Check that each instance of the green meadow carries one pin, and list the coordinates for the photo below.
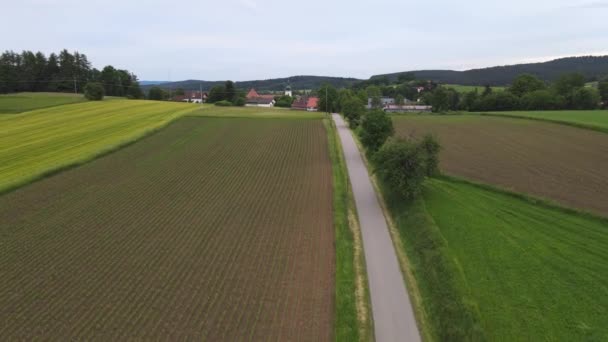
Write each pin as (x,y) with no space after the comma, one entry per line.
(592,119)
(22,102)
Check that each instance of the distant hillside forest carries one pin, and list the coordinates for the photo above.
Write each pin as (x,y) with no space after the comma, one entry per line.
(64,72)
(592,68)
(276,84)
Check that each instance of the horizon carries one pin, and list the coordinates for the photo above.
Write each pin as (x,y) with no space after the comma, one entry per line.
(262,39)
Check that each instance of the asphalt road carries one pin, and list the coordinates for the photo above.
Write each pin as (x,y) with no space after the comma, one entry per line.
(391,307)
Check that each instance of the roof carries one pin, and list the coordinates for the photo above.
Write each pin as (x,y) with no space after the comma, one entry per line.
(252,94)
(312,102)
(260,100)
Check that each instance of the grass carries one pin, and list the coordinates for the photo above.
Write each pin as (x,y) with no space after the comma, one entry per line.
(352,319)
(500,266)
(258,112)
(589,119)
(23,102)
(38,143)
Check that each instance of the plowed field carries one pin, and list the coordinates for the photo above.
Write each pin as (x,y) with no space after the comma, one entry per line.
(211,229)
(565,164)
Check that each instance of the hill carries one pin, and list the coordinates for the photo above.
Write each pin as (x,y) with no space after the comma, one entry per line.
(276,84)
(590,66)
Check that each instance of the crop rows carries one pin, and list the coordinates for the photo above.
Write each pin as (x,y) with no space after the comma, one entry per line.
(565,164)
(212,229)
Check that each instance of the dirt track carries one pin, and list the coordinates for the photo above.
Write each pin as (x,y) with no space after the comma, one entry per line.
(565,164)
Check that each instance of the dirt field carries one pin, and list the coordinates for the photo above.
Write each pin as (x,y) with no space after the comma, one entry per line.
(565,164)
(211,229)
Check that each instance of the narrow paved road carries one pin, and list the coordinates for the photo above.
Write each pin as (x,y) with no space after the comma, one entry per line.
(392,311)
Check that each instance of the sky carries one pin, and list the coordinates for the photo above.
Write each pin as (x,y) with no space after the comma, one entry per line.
(261,39)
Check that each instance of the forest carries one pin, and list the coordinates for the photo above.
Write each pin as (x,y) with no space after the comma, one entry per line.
(63,72)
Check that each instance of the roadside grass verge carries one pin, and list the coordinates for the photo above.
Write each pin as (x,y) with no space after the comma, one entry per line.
(39,143)
(596,120)
(353,321)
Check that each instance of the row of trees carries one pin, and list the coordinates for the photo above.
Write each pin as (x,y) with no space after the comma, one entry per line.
(527,92)
(64,72)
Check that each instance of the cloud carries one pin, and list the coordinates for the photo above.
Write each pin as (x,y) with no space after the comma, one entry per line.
(591,5)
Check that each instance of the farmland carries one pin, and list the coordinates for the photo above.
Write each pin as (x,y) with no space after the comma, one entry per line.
(593,119)
(565,164)
(210,229)
(497,266)
(23,102)
(254,112)
(36,143)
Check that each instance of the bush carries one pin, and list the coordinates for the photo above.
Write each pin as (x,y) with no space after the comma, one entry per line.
(376,127)
(155,93)
(223,103)
(498,101)
(585,98)
(542,100)
(240,101)
(94,91)
(401,164)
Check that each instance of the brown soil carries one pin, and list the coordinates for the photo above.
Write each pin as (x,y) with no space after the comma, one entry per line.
(211,229)
(565,164)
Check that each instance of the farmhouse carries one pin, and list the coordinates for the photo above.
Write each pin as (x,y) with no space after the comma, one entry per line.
(384,101)
(408,108)
(256,100)
(306,103)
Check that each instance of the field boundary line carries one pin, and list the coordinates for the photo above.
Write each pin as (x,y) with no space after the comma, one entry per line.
(87,159)
(559,122)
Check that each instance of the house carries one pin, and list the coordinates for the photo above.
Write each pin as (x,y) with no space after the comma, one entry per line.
(300,103)
(408,108)
(254,99)
(192,96)
(312,105)
(384,101)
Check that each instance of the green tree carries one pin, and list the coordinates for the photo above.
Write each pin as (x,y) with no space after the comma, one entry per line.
(155,93)
(431,147)
(284,101)
(179,92)
(376,127)
(603,91)
(401,164)
(498,101)
(585,98)
(542,100)
(135,91)
(568,83)
(216,94)
(526,83)
(487,90)
(328,98)
(469,100)
(406,77)
(375,94)
(353,110)
(230,91)
(399,100)
(362,95)
(94,91)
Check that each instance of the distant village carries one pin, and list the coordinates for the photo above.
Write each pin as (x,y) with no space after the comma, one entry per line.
(304,102)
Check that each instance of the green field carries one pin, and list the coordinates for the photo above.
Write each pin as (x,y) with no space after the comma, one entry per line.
(36,143)
(466,89)
(593,119)
(496,266)
(22,102)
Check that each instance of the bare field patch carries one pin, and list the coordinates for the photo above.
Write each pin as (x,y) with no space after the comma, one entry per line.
(210,229)
(565,164)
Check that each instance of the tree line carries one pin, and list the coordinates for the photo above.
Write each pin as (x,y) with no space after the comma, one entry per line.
(527,92)
(63,72)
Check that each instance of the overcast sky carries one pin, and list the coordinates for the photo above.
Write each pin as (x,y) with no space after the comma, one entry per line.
(259,39)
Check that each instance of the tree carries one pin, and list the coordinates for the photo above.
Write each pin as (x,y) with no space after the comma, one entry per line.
(498,101)
(585,98)
(229,91)
(603,91)
(216,94)
(469,100)
(94,91)
(431,147)
(155,93)
(399,100)
(328,98)
(406,77)
(401,164)
(526,83)
(135,92)
(487,90)
(180,92)
(353,109)
(542,100)
(568,83)
(284,101)
(375,94)
(376,127)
